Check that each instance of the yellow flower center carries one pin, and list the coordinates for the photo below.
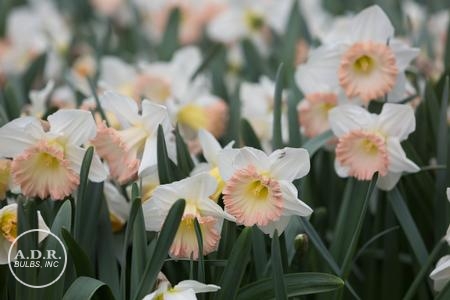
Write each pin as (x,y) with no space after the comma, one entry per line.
(258,190)
(193,116)
(369,147)
(253,20)
(8,225)
(364,64)
(220,183)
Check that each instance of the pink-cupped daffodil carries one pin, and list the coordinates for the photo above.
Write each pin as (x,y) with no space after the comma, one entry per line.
(132,149)
(363,59)
(184,290)
(196,190)
(259,189)
(47,156)
(369,143)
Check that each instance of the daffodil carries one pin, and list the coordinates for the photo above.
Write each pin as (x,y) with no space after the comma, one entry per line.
(119,207)
(363,59)
(184,290)
(259,189)
(8,231)
(47,162)
(196,190)
(133,149)
(441,273)
(369,143)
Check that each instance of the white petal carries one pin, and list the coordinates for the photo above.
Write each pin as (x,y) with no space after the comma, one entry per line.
(198,287)
(149,161)
(211,208)
(97,171)
(398,92)
(348,117)
(196,188)
(398,162)
(153,115)
(117,203)
(289,163)
(448,194)
(18,135)
(341,171)
(397,120)
(319,73)
(279,225)
(78,126)
(403,54)
(441,274)
(227,27)
(123,107)
(210,146)
(187,294)
(251,156)
(156,208)
(387,183)
(371,24)
(225,160)
(293,205)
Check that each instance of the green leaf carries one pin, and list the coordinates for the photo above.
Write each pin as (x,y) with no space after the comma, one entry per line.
(445,293)
(277,269)
(166,236)
(27,219)
(347,264)
(408,225)
(35,70)
(184,159)
(248,135)
(84,288)
(170,41)
(235,269)
(99,107)
(165,171)
(83,198)
(254,64)
(323,251)
(106,261)
(297,284)
(81,261)
(234,120)
(138,254)
(13,98)
(259,252)
(62,220)
(441,211)
(277,137)
(134,210)
(424,270)
(447,50)
(213,52)
(317,142)
(201,259)
(294,96)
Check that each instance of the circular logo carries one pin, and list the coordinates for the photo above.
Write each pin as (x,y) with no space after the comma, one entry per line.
(36,258)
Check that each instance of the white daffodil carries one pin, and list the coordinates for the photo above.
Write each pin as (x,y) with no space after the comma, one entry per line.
(369,143)
(133,149)
(248,19)
(441,274)
(363,59)
(39,99)
(257,107)
(184,290)
(117,75)
(8,231)
(196,190)
(190,104)
(211,149)
(47,162)
(259,189)
(119,207)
